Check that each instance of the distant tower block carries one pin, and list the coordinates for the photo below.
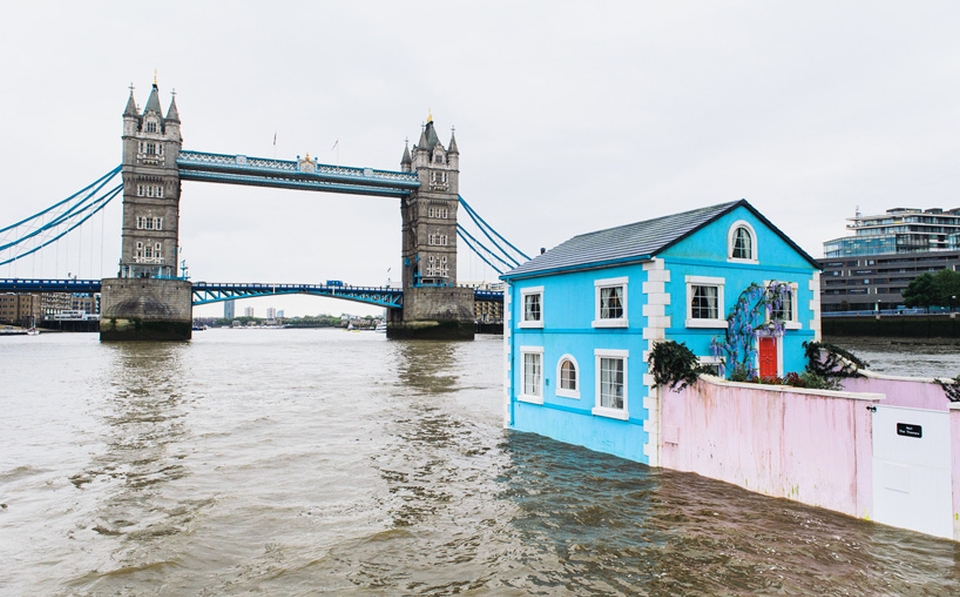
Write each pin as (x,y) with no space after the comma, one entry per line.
(146,301)
(433,305)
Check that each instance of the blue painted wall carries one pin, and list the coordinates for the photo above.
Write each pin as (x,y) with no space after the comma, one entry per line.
(704,254)
(568,313)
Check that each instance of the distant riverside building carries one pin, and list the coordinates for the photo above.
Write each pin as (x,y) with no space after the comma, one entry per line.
(54,303)
(248,311)
(487,311)
(229,309)
(86,302)
(870,269)
(19,308)
(271,313)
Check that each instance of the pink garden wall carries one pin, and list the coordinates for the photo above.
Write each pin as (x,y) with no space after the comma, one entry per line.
(910,392)
(775,440)
(812,446)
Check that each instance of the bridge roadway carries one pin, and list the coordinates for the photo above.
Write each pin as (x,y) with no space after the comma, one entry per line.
(208,292)
(305,174)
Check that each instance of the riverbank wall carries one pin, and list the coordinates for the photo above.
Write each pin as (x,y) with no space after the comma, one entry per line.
(885,449)
(893,325)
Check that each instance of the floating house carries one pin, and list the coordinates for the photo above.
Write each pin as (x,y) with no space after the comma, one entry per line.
(581,319)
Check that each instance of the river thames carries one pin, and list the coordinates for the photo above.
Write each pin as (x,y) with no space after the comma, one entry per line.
(326,462)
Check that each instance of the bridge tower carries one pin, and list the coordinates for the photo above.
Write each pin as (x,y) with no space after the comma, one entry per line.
(147,301)
(433,305)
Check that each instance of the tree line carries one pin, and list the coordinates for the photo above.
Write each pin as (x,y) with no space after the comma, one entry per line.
(940,289)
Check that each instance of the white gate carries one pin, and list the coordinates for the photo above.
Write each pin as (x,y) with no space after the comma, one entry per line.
(911,469)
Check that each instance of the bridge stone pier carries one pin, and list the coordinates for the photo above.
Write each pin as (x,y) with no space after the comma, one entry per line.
(148,301)
(433,305)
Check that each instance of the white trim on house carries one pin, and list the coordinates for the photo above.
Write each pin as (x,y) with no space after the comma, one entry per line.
(610,322)
(712,361)
(530,323)
(793,322)
(654,309)
(814,285)
(567,393)
(701,322)
(507,355)
(753,242)
(522,395)
(605,411)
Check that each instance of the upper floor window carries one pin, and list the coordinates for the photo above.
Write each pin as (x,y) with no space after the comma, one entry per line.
(531,372)
(532,305)
(783,303)
(742,242)
(705,302)
(611,303)
(151,126)
(567,373)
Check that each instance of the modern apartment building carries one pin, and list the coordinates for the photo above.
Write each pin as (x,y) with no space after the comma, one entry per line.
(868,270)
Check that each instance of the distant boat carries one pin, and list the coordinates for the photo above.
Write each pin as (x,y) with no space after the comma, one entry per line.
(381,327)
(33,332)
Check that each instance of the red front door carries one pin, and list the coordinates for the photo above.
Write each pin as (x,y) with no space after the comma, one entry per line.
(768,357)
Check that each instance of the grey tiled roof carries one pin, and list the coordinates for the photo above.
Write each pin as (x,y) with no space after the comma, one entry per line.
(638,240)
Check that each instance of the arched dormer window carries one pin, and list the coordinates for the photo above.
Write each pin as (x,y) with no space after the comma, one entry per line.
(742,243)
(568,377)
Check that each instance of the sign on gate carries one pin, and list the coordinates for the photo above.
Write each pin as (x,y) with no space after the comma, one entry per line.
(911,469)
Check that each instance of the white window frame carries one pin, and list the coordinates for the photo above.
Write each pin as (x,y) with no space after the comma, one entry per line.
(522,396)
(711,361)
(567,392)
(524,293)
(691,282)
(610,322)
(793,321)
(605,411)
(731,240)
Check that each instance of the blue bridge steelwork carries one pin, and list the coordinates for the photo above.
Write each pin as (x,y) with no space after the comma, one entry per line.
(304,174)
(205,293)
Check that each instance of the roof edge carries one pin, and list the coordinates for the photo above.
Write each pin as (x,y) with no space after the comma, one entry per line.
(579,267)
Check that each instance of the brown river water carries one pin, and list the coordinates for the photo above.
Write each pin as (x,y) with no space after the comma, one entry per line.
(326,462)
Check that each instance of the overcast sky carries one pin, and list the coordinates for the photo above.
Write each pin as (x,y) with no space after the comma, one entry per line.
(569,116)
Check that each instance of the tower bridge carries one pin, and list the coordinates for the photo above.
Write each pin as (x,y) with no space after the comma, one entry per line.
(147,300)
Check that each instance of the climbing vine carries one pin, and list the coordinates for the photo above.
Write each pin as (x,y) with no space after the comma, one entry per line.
(758,308)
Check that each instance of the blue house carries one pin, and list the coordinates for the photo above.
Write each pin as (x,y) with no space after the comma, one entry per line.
(583,316)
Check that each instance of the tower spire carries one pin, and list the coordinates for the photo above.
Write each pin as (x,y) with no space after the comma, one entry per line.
(131,109)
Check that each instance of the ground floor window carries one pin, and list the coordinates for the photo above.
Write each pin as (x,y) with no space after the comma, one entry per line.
(569,385)
(611,390)
(531,374)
